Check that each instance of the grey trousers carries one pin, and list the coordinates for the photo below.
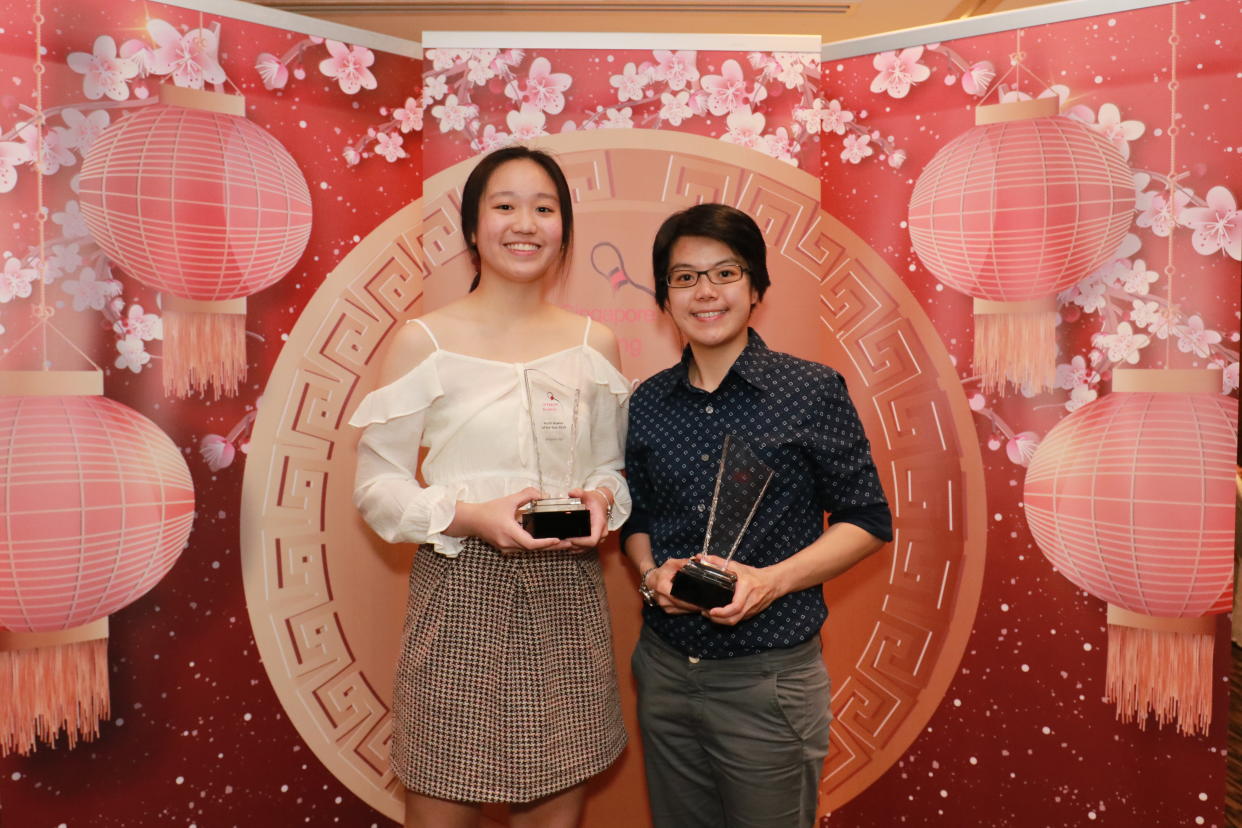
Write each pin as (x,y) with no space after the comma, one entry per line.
(735,742)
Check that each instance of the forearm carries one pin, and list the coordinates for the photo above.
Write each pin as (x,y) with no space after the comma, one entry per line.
(637,548)
(838,549)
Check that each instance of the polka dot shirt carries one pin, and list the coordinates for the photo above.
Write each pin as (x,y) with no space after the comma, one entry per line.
(797,417)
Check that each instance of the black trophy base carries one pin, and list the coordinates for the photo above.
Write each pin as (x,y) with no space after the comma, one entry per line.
(704,585)
(562,517)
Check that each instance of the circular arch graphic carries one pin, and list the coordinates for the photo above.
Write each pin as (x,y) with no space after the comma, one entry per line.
(326,597)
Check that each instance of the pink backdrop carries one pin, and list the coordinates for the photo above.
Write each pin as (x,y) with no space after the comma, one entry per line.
(1021,737)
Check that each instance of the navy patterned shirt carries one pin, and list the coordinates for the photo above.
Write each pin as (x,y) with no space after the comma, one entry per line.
(796,416)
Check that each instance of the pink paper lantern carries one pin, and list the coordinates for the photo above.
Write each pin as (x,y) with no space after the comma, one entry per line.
(194,200)
(96,504)
(1132,499)
(1016,209)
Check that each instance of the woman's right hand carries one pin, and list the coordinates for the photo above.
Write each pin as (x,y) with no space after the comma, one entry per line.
(496,522)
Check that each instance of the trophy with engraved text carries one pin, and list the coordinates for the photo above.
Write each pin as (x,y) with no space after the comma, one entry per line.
(554,426)
(741,481)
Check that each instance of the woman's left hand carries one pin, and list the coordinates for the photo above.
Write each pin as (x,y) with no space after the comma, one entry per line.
(597,501)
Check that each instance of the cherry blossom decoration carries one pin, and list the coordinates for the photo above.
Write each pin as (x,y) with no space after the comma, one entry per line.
(190,58)
(899,71)
(103,71)
(349,66)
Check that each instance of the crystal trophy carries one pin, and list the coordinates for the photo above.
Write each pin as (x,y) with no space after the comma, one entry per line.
(554,427)
(741,481)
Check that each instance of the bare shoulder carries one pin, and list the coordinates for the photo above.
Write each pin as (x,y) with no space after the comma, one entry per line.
(602,339)
(409,347)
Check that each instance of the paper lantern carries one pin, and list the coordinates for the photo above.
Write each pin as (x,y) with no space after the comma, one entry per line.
(194,200)
(1131,498)
(96,504)
(1018,208)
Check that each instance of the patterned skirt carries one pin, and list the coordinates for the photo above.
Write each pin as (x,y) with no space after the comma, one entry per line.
(506,689)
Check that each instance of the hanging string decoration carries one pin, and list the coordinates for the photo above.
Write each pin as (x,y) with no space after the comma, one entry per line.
(1016,209)
(193,199)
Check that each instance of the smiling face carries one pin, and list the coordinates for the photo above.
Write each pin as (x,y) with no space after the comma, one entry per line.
(708,315)
(519,231)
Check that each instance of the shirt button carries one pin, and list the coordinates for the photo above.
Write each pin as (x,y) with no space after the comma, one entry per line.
(701,507)
(694,659)
(710,410)
(706,457)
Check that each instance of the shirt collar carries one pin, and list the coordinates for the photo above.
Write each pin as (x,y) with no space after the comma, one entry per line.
(750,365)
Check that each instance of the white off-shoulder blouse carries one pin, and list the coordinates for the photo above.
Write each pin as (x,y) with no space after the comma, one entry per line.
(473,417)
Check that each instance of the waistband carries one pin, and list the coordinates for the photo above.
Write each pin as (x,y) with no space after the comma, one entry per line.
(776,659)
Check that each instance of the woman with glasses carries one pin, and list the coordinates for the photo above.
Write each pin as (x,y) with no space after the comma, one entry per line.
(505,688)
(734,700)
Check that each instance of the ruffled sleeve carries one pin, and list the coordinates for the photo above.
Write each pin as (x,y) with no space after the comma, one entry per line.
(609,418)
(386,492)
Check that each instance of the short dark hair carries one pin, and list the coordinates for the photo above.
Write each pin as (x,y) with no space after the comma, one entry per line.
(476,184)
(727,225)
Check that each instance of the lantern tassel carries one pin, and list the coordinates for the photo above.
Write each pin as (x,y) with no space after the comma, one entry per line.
(50,689)
(204,347)
(1016,342)
(1162,672)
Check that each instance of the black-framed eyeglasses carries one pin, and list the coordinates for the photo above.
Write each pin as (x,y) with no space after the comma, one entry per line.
(684,277)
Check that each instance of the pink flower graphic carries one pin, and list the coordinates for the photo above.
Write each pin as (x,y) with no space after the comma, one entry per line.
(630,83)
(544,89)
(71,222)
(217,452)
(780,146)
(55,154)
(348,65)
(12,154)
(452,116)
(1159,213)
(145,326)
(856,148)
(1194,337)
(351,156)
(1123,346)
(526,123)
(821,117)
(790,68)
(271,70)
(190,58)
(618,118)
(896,158)
(132,354)
(899,71)
(675,108)
(410,116)
(745,127)
(677,68)
(1217,226)
(15,280)
(727,91)
(88,292)
(105,73)
(978,77)
(1117,131)
(83,129)
(1135,278)
(1021,447)
(388,144)
(493,139)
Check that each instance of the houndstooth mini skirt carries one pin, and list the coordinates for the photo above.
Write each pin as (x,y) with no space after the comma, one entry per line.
(506,689)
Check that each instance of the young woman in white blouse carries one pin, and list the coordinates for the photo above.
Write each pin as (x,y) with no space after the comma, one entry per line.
(505,688)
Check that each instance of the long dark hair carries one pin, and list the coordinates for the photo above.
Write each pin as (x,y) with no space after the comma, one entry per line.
(476,184)
(727,225)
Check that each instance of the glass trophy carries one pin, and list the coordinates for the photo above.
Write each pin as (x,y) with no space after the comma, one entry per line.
(554,428)
(741,481)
